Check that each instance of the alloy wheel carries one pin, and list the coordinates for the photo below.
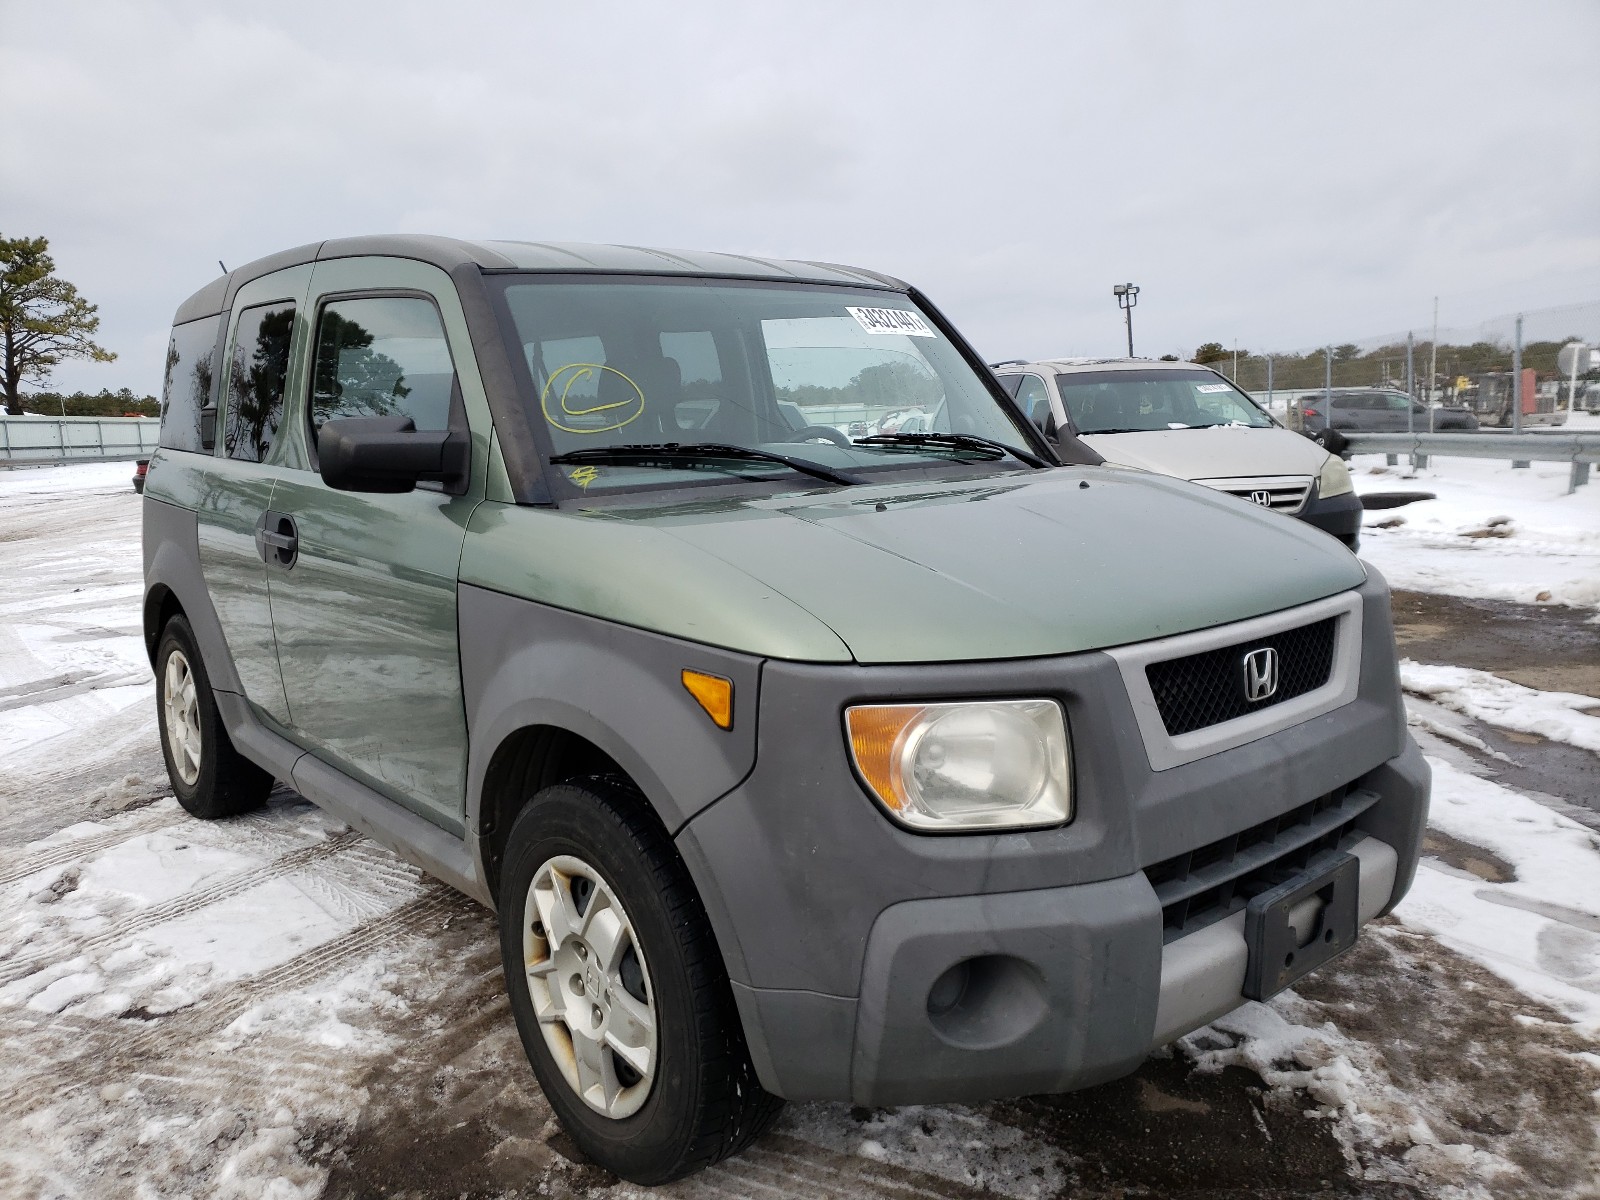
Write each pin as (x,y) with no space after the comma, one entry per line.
(590,986)
(183,717)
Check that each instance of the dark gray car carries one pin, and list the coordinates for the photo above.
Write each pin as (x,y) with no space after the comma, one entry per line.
(1371,410)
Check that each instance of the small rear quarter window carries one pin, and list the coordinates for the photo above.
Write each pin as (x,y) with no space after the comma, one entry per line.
(190,387)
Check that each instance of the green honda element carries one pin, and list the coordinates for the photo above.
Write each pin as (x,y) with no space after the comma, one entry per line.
(817,729)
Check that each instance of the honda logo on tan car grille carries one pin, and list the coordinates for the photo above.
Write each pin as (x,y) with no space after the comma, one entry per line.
(1261,497)
(1260,674)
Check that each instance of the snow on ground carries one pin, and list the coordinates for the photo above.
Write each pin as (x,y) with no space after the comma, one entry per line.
(1560,716)
(1493,531)
(258,1007)
(1539,929)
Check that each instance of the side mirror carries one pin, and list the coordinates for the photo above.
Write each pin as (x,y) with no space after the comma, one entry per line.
(389,454)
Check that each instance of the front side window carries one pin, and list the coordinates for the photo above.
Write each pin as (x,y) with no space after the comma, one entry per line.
(382,356)
(1141,401)
(1034,400)
(186,397)
(800,370)
(256,379)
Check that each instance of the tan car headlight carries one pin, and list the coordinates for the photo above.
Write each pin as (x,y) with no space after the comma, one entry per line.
(991,764)
(1334,479)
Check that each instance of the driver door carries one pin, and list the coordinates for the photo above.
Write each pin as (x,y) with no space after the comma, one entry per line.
(365,614)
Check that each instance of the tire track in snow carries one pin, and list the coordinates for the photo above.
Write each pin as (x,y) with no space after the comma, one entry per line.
(65,852)
(92,1051)
(179,906)
(794,1169)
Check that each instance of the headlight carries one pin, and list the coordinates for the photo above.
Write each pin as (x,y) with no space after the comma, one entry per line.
(1334,479)
(995,764)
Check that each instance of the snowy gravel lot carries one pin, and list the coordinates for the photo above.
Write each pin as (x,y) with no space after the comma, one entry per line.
(275,1007)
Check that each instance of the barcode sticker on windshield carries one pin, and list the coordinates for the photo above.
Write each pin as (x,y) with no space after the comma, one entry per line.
(1212,387)
(892,320)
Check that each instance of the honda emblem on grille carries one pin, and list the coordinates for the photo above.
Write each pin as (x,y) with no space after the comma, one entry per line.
(1260,674)
(1261,497)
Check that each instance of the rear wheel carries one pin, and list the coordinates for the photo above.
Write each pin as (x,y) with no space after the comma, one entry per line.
(618,989)
(209,777)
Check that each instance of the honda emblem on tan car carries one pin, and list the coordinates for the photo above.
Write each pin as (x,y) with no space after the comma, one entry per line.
(1260,674)
(1262,497)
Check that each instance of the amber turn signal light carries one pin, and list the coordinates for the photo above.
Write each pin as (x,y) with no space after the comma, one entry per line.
(713,693)
(874,738)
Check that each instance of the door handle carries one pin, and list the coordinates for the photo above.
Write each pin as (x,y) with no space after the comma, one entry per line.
(277,539)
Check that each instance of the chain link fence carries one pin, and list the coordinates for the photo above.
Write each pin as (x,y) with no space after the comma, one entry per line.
(1457,366)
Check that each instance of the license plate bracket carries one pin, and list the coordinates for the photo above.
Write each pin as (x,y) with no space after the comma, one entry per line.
(1277,958)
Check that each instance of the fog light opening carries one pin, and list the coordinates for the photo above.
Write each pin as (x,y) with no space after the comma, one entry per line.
(948,989)
(982,1003)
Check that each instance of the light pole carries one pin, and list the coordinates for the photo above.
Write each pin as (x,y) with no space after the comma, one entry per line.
(1127,296)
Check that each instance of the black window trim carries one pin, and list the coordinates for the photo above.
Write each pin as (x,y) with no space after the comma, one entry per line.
(458,403)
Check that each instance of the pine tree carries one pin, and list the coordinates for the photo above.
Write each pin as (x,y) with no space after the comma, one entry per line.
(43,320)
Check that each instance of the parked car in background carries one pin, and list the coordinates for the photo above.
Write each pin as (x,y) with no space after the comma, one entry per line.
(140,469)
(1187,420)
(1324,416)
(911,769)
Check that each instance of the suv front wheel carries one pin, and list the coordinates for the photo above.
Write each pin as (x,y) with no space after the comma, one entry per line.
(618,989)
(209,777)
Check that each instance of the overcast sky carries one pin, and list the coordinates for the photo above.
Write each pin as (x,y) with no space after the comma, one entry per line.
(1281,174)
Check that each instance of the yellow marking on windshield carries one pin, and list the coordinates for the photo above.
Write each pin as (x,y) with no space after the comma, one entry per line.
(584,476)
(576,373)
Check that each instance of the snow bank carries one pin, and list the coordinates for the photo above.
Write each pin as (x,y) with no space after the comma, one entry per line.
(1559,716)
(1493,531)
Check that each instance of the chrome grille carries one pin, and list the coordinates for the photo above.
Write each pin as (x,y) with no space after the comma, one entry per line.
(1284,493)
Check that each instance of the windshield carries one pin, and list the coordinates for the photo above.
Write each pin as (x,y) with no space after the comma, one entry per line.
(1134,401)
(794,370)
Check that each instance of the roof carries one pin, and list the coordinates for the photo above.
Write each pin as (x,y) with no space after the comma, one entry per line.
(1103,364)
(452,253)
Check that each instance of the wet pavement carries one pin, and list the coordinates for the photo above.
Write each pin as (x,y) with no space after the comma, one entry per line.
(1550,648)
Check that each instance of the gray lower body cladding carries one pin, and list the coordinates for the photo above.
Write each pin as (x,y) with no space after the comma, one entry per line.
(840,929)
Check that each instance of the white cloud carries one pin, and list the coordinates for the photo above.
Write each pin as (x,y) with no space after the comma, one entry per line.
(1284,175)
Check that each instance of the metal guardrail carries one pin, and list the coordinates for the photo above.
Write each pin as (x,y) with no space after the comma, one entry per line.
(39,440)
(1582,450)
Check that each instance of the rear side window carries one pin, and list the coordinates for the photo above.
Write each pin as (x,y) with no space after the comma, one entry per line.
(382,356)
(187,392)
(256,379)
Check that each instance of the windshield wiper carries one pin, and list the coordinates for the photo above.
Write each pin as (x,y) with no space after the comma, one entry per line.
(688,455)
(952,441)
(1129,429)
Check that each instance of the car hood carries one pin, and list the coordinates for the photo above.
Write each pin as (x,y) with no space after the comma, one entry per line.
(1011,566)
(1221,452)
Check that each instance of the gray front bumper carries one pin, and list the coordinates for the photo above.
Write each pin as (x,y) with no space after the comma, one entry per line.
(836,926)
(1072,987)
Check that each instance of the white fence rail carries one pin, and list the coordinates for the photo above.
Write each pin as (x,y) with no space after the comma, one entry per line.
(1582,450)
(32,439)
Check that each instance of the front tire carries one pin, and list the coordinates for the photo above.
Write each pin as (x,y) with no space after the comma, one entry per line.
(618,988)
(209,777)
